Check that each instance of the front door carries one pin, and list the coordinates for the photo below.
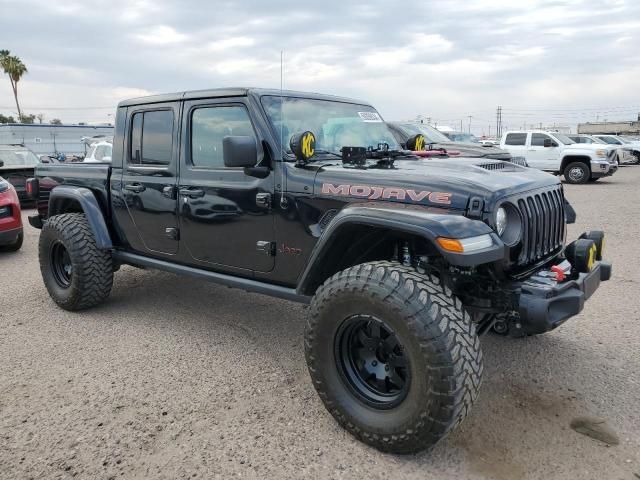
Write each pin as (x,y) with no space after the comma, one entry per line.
(544,158)
(149,177)
(225,219)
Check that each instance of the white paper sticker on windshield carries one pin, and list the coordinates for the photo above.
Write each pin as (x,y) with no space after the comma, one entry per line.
(370,116)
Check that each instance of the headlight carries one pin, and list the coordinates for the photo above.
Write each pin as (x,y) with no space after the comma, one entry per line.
(601,153)
(501,221)
(508,224)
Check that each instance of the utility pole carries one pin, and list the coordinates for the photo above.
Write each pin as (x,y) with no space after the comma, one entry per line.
(499,122)
(461,126)
(470,116)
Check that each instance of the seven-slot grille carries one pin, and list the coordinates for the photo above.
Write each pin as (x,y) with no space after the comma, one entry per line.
(543,225)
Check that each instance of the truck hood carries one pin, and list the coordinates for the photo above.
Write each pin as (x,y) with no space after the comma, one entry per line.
(445,183)
(475,150)
(589,147)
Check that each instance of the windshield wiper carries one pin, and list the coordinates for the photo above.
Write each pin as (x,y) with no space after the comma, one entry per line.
(327,152)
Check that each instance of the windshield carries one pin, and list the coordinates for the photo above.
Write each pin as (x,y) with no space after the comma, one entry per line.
(463,137)
(17,157)
(563,139)
(334,124)
(611,140)
(430,134)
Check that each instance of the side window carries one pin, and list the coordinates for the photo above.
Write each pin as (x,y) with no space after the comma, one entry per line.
(516,139)
(209,125)
(537,139)
(151,138)
(136,137)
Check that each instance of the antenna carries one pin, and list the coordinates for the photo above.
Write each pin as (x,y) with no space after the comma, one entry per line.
(283,201)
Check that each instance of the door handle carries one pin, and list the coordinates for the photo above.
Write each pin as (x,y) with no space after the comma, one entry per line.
(169,191)
(191,192)
(135,187)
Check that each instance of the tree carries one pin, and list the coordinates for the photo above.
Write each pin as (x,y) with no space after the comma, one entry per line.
(28,119)
(13,67)
(40,118)
(8,119)
(55,121)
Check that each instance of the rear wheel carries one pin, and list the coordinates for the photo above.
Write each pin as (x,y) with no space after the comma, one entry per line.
(577,173)
(76,272)
(393,355)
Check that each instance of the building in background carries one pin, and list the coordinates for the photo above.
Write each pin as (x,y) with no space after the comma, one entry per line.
(52,139)
(611,128)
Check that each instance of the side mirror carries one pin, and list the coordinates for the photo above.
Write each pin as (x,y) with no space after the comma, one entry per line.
(416,143)
(1,163)
(549,143)
(239,151)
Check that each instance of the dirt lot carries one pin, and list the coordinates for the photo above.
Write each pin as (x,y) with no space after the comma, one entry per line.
(175,378)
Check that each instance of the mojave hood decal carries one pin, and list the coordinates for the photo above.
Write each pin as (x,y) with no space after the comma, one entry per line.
(373,192)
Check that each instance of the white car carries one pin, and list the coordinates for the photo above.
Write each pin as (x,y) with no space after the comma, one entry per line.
(99,153)
(623,155)
(558,154)
(631,147)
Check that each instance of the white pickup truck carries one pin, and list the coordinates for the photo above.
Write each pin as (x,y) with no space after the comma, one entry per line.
(557,153)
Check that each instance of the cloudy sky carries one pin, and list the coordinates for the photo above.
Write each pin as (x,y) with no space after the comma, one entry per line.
(543,61)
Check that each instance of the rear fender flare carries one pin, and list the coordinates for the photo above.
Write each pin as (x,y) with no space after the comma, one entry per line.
(90,207)
(420,222)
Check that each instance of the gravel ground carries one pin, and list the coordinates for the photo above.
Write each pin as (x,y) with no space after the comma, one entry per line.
(175,378)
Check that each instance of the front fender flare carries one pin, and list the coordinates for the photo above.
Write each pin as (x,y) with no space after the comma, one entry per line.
(427,223)
(90,206)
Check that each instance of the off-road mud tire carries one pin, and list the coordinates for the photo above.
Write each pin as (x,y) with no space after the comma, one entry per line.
(92,270)
(438,338)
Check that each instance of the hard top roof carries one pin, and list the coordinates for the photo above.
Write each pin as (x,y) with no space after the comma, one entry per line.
(232,92)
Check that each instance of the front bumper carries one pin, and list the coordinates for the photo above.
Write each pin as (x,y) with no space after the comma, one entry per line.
(544,303)
(603,169)
(9,237)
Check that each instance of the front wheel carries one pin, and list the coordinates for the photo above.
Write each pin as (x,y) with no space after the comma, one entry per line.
(393,355)
(76,272)
(577,173)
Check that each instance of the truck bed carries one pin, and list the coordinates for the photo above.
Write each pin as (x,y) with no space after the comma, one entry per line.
(95,176)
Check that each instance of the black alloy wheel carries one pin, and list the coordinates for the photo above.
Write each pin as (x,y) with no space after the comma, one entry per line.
(372,361)
(61,266)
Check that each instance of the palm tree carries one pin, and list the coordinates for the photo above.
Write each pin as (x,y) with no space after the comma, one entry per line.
(13,67)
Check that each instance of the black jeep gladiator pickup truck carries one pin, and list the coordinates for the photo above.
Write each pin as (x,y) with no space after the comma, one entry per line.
(307,197)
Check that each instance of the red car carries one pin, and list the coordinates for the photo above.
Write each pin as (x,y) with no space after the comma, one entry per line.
(10,220)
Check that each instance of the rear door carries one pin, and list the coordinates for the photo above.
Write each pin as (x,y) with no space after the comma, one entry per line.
(515,144)
(225,219)
(149,177)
